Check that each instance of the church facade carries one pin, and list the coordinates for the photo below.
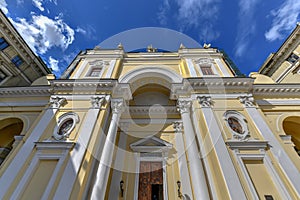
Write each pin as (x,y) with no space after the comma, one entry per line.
(155,125)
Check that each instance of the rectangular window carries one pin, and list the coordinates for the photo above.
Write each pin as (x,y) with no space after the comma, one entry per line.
(2,76)
(3,44)
(17,60)
(207,70)
(95,72)
(292,58)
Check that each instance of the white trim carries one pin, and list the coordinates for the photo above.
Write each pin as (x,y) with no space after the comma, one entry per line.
(272,172)
(61,120)
(7,73)
(182,164)
(24,152)
(234,187)
(191,67)
(287,70)
(114,190)
(205,62)
(147,121)
(68,178)
(283,158)
(156,71)
(40,155)
(270,102)
(80,70)
(110,69)
(220,96)
(242,121)
(137,169)
(204,158)
(23,103)
(222,68)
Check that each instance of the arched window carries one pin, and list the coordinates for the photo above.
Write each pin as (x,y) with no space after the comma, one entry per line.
(9,128)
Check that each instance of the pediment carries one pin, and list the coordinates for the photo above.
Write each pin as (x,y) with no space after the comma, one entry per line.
(150,144)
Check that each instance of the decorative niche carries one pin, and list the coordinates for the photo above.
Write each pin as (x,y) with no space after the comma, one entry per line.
(66,124)
(237,124)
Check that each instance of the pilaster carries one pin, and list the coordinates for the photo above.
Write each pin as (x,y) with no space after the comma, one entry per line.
(195,164)
(234,187)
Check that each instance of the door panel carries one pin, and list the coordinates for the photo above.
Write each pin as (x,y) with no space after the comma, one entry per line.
(151,174)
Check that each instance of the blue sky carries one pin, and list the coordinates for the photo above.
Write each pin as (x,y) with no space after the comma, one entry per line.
(248,30)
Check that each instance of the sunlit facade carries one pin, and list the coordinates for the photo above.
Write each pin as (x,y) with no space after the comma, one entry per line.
(154,125)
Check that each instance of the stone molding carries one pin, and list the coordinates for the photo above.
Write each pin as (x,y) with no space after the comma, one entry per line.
(184,106)
(247,101)
(56,101)
(177,127)
(204,101)
(97,101)
(143,110)
(117,106)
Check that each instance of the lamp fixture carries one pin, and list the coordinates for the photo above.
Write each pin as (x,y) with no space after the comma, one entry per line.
(121,187)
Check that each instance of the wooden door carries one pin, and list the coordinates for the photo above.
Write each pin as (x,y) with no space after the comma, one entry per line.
(151,174)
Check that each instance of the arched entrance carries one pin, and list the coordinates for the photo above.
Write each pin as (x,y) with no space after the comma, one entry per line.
(8,129)
(291,126)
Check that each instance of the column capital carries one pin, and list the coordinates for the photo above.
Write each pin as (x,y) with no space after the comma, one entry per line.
(247,101)
(204,101)
(184,105)
(56,101)
(97,101)
(117,105)
(177,127)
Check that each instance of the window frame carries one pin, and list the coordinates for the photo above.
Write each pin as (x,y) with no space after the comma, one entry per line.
(17,61)
(3,44)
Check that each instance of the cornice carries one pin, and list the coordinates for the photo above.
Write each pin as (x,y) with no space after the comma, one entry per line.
(82,86)
(37,91)
(145,110)
(278,90)
(247,145)
(212,85)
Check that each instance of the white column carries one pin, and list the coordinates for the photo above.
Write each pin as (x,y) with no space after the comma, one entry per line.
(99,188)
(114,191)
(183,168)
(21,157)
(70,174)
(196,169)
(284,160)
(231,178)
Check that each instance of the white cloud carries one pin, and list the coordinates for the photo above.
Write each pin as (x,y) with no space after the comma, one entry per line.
(38,4)
(88,31)
(42,33)
(194,12)
(20,2)
(199,14)
(3,6)
(81,30)
(285,19)
(162,14)
(53,64)
(246,26)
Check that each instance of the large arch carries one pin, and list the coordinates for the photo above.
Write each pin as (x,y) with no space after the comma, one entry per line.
(157,74)
(151,71)
(291,126)
(9,128)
